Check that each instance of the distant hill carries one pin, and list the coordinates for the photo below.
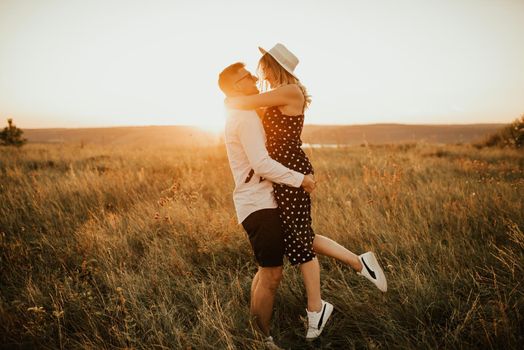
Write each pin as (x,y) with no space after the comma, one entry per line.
(312,134)
(139,135)
(396,133)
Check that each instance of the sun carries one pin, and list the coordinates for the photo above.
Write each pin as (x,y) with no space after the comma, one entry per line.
(208,116)
(215,128)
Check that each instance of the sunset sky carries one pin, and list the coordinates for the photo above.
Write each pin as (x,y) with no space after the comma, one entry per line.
(71,63)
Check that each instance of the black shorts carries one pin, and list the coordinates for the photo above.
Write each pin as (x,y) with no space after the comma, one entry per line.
(264,229)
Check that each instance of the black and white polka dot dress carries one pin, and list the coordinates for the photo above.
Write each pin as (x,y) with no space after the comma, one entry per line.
(284,146)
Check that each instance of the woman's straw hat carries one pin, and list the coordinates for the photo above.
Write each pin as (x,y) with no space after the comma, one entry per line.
(283,56)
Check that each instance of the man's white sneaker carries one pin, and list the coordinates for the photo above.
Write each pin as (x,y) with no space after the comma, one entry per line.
(317,320)
(372,271)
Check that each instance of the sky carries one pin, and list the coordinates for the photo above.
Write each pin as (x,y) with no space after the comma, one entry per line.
(71,63)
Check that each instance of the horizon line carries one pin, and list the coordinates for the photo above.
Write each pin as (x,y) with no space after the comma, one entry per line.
(306,124)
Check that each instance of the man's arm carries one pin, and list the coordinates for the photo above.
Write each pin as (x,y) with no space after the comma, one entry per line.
(251,135)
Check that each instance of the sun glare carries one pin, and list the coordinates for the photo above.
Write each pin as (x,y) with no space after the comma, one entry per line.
(217,129)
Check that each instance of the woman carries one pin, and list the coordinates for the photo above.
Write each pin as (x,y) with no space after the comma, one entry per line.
(283,121)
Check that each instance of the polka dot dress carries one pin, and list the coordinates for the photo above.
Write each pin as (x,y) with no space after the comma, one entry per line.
(284,146)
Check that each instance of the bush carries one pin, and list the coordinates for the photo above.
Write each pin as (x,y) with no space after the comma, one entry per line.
(12,136)
(510,136)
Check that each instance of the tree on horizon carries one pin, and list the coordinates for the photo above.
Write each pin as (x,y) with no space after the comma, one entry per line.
(11,135)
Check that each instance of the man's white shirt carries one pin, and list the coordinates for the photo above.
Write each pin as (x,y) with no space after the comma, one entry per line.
(246,149)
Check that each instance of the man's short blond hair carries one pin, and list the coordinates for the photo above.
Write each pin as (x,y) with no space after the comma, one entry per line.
(225,81)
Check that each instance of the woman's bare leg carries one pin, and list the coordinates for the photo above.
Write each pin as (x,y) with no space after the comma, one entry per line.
(328,247)
(311,275)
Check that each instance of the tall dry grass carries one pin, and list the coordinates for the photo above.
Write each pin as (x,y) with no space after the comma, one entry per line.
(139,248)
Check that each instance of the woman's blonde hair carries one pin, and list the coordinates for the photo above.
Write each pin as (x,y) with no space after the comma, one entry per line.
(280,77)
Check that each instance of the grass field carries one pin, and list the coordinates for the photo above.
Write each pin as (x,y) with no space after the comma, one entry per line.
(105,248)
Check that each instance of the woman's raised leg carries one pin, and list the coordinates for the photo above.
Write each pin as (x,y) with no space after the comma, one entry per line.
(328,247)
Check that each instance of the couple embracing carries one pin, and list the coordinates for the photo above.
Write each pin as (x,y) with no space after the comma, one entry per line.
(273,181)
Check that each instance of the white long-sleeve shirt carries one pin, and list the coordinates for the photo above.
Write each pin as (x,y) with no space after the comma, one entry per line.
(246,150)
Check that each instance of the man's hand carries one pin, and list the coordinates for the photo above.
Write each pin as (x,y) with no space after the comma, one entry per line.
(309,183)
(260,112)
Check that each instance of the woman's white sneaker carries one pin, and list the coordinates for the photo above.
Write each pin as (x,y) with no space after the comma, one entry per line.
(372,271)
(317,320)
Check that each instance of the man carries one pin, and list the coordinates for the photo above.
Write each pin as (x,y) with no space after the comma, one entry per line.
(254,171)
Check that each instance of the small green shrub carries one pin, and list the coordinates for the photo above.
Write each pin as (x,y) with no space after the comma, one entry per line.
(11,135)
